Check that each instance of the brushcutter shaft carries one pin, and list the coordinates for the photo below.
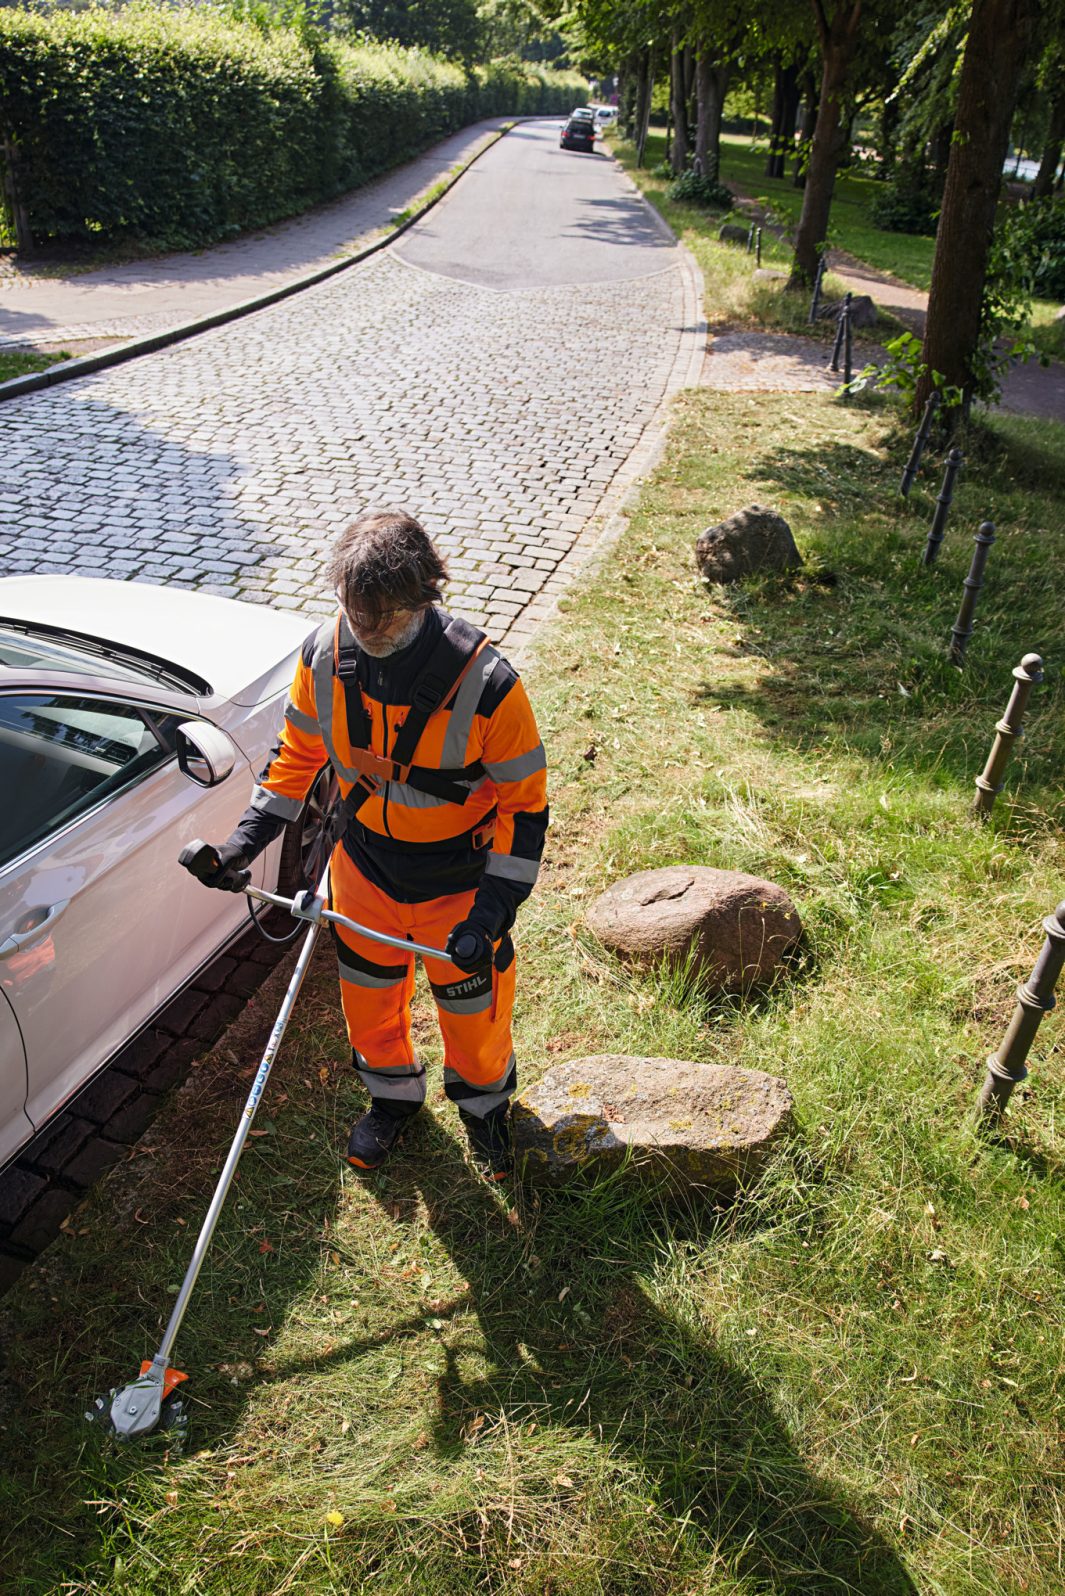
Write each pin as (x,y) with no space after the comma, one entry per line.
(305,908)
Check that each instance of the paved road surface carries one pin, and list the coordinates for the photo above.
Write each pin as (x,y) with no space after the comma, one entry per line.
(501,415)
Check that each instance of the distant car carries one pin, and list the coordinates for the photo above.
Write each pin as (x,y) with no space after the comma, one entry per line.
(605,116)
(133,719)
(579,133)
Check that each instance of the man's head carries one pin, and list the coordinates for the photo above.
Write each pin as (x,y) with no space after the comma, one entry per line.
(386,573)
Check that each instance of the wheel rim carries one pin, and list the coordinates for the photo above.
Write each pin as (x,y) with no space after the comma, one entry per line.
(314,827)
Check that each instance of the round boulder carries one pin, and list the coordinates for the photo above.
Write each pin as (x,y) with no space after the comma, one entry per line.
(682,1124)
(755,539)
(863,310)
(733,233)
(736,928)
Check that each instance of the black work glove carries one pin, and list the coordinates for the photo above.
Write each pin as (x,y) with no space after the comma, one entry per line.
(224,867)
(470,947)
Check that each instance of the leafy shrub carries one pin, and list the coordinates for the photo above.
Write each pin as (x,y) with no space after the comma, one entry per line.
(182,127)
(905,205)
(1044,229)
(692,188)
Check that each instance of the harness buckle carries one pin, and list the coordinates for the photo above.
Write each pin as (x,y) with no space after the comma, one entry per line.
(482,836)
(429,694)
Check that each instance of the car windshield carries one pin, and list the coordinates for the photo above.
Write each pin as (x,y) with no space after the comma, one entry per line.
(24,646)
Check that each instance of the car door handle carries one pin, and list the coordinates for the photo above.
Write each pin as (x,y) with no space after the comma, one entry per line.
(23,939)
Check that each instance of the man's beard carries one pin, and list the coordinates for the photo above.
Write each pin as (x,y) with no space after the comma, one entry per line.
(381,649)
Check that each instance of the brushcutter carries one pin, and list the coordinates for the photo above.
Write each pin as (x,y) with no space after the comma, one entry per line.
(149,1402)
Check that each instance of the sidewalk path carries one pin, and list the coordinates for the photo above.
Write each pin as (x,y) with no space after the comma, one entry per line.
(510,417)
(1029,389)
(114,303)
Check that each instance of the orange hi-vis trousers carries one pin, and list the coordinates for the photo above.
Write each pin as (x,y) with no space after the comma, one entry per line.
(377,983)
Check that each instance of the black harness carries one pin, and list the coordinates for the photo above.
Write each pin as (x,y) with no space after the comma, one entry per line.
(454,653)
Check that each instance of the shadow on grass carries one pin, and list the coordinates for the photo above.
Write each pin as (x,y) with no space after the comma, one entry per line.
(856,645)
(570,1343)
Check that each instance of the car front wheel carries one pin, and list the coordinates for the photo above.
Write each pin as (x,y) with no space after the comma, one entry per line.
(304,851)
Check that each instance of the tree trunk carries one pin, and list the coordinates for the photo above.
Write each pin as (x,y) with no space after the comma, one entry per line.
(1048,166)
(702,113)
(808,129)
(776,118)
(629,94)
(1000,36)
(785,105)
(643,118)
(679,109)
(839,40)
(20,216)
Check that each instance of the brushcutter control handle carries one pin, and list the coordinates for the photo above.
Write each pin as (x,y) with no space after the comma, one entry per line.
(200,859)
(466,946)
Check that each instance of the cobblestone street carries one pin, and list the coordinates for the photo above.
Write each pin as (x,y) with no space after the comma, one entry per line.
(229,462)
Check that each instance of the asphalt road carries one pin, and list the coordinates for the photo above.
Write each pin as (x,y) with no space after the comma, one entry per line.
(532,215)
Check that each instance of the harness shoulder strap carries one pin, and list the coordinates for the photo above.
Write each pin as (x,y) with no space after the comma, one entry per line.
(456,649)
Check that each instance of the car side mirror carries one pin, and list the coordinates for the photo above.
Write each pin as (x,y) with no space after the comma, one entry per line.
(205,754)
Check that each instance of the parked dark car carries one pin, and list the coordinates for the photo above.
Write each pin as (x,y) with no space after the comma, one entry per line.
(579,133)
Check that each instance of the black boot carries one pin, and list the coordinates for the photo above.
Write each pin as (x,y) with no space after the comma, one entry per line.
(490,1142)
(375,1135)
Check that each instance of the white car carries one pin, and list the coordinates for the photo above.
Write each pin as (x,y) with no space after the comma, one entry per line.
(605,116)
(133,719)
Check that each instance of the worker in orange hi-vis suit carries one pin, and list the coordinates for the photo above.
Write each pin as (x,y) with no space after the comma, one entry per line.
(443,779)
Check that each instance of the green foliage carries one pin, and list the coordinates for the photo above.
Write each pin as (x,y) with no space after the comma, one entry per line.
(906,204)
(692,188)
(1043,225)
(903,371)
(447,27)
(183,127)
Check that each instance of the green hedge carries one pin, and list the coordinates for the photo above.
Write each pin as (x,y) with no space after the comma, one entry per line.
(181,127)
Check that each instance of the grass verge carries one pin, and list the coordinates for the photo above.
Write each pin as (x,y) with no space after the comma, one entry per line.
(733,297)
(848,1382)
(21,363)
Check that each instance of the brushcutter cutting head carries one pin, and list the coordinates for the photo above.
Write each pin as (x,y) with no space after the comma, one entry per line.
(146,1404)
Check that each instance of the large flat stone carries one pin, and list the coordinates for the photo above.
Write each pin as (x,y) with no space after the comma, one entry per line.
(685,1125)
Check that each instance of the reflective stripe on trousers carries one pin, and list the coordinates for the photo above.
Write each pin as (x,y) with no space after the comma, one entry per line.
(377,983)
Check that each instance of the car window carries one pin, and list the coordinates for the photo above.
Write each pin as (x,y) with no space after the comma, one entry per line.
(60,755)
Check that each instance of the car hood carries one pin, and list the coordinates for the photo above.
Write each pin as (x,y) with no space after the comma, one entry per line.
(244,651)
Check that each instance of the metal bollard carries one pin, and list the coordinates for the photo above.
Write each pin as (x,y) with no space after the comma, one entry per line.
(1007,1067)
(819,274)
(844,318)
(943,503)
(758,247)
(921,438)
(750,239)
(1009,730)
(963,626)
(847,371)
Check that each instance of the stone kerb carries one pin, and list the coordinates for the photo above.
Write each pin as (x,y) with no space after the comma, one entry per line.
(679,1125)
(735,929)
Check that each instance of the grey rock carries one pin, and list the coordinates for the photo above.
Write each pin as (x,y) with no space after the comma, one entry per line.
(733,233)
(734,927)
(684,1125)
(754,539)
(769,274)
(863,310)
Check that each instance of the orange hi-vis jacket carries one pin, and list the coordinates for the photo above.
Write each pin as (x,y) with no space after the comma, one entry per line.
(415,844)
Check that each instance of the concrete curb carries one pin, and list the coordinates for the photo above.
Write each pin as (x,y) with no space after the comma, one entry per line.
(86,365)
